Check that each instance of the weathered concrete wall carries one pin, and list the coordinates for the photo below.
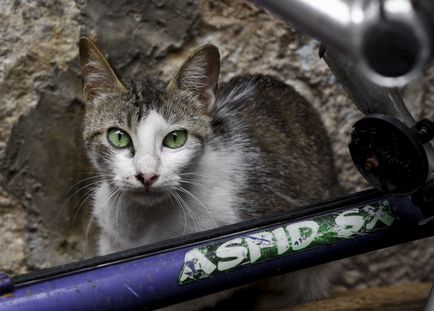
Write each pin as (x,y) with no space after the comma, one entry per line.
(41,111)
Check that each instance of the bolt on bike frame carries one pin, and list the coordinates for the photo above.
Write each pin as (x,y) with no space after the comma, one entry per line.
(182,269)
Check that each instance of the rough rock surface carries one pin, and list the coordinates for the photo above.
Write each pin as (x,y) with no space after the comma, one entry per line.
(41,111)
(38,37)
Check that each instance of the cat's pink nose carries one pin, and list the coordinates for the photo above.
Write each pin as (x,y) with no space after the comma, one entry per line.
(147,179)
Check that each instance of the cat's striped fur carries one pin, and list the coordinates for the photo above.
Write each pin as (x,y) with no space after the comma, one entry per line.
(255,147)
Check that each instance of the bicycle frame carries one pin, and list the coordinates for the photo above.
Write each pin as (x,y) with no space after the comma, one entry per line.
(177,270)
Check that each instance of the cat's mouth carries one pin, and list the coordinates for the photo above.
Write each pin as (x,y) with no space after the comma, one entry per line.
(151,195)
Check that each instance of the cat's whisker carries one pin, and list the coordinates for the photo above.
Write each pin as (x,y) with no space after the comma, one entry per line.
(190,178)
(206,176)
(88,178)
(122,198)
(188,209)
(107,200)
(98,174)
(92,218)
(117,199)
(59,214)
(199,201)
(87,195)
(181,211)
(101,176)
(195,183)
(113,208)
(114,191)
(80,182)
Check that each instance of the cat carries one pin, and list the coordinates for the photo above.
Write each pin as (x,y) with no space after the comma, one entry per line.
(188,155)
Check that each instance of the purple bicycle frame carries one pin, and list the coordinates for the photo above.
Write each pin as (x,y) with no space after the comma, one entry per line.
(178,270)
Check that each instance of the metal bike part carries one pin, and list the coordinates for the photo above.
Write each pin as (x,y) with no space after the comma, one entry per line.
(394,45)
(330,21)
(369,97)
(389,154)
(390,40)
(424,199)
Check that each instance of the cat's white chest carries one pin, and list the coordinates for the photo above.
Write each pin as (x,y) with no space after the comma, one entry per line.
(208,199)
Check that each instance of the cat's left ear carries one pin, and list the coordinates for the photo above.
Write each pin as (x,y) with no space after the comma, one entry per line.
(199,75)
(99,78)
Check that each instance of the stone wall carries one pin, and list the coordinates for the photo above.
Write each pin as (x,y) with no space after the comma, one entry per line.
(43,208)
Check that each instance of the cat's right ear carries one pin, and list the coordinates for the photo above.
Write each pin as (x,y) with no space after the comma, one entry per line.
(98,77)
(199,75)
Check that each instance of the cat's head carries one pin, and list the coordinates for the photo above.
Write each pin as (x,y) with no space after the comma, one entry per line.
(143,136)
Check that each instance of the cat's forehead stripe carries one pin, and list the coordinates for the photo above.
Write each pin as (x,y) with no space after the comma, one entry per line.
(147,94)
(129,118)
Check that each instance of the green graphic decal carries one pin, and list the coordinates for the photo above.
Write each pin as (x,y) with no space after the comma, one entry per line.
(218,257)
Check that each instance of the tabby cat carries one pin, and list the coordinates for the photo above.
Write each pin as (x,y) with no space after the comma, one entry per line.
(187,155)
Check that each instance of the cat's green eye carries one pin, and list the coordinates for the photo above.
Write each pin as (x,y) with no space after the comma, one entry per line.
(118,138)
(175,139)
